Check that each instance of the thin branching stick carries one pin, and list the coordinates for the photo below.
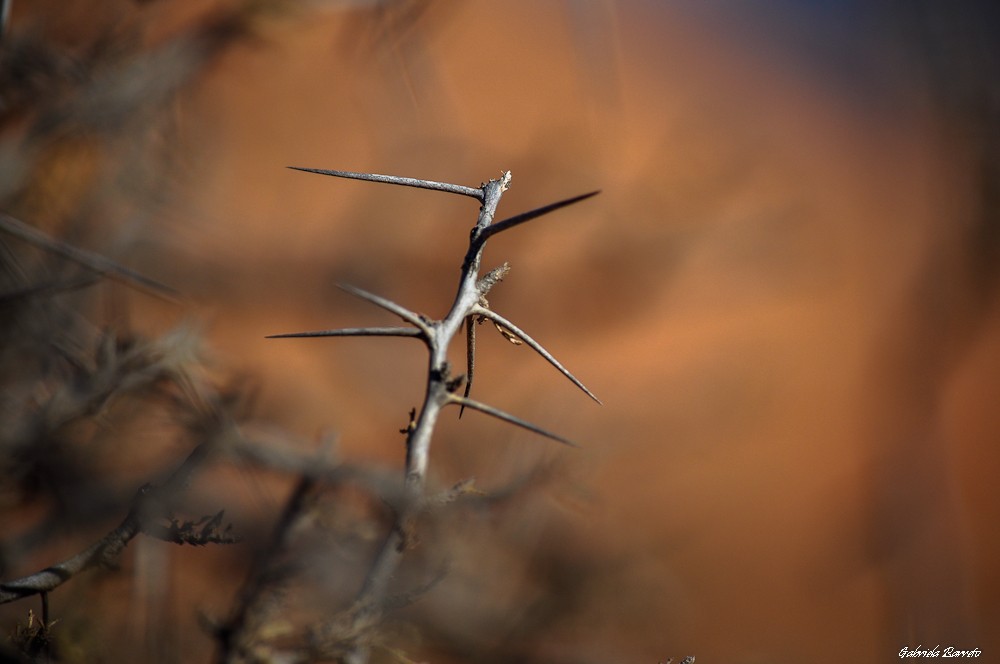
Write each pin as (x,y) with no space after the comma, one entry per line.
(469,306)
(100,553)
(234,635)
(147,506)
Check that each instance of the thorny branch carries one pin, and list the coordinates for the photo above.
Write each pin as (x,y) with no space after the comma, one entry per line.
(148,506)
(348,637)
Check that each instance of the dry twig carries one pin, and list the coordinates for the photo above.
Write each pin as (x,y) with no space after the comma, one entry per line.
(349,637)
(148,507)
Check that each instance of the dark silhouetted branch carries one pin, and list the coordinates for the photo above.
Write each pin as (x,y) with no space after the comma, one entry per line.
(510,222)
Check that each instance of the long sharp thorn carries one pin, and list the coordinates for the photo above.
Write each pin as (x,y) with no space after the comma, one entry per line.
(90,260)
(470,357)
(395,179)
(353,332)
(507,417)
(510,222)
(388,305)
(537,347)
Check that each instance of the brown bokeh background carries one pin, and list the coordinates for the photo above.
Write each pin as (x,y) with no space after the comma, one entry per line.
(785,295)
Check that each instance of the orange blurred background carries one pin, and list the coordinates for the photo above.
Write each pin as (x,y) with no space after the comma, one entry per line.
(785,294)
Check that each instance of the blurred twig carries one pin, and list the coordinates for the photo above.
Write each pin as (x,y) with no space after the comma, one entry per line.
(149,505)
(90,260)
(4,16)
